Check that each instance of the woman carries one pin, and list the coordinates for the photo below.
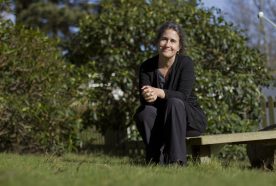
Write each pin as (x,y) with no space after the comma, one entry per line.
(169,111)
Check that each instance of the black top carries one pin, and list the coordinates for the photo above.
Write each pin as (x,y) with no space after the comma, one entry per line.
(179,84)
(180,80)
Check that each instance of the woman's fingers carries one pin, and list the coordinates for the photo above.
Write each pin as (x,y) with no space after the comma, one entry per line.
(150,98)
(148,93)
(145,87)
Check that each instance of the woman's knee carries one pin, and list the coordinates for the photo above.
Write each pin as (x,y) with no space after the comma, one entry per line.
(175,102)
(146,112)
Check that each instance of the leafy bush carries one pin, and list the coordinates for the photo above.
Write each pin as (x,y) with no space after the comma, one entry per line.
(38,93)
(117,41)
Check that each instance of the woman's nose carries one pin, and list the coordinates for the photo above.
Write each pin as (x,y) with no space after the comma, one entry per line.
(168,43)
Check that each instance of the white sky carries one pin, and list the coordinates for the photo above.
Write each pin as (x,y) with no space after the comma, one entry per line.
(216,3)
(224,5)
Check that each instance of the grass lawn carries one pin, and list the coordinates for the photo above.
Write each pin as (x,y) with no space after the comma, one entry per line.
(97,169)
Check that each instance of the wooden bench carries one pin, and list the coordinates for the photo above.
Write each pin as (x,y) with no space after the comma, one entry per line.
(202,147)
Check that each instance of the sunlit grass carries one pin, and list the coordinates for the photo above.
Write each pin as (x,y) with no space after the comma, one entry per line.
(97,169)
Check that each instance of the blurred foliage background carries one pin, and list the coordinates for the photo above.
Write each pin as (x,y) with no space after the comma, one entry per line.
(67,66)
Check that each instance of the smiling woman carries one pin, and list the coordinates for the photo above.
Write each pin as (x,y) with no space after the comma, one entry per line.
(169,111)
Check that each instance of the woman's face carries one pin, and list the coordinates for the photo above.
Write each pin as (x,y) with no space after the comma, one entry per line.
(169,43)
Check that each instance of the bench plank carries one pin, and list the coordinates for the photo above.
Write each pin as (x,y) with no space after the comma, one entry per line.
(232,138)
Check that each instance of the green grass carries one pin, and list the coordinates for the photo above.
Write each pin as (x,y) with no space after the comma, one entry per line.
(97,170)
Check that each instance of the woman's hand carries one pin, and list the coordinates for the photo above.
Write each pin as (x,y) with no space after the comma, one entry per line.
(150,93)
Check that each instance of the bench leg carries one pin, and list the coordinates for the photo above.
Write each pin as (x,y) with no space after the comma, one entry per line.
(202,153)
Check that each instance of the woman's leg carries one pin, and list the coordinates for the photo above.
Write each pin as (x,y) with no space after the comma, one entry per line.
(191,132)
(175,125)
(145,119)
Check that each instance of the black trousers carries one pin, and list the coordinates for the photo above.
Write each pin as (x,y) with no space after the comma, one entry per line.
(164,129)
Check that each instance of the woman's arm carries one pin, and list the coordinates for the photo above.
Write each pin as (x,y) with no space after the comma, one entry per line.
(185,82)
(144,80)
(148,93)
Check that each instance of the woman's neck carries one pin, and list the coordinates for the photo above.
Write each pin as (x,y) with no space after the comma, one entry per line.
(165,62)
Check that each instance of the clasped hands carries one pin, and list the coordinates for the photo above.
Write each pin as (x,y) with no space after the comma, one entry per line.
(150,93)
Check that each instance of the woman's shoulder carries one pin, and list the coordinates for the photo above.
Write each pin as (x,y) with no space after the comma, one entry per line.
(150,62)
(152,59)
(184,60)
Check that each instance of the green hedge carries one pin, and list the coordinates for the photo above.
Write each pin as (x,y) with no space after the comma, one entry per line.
(38,94)
(118,40)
